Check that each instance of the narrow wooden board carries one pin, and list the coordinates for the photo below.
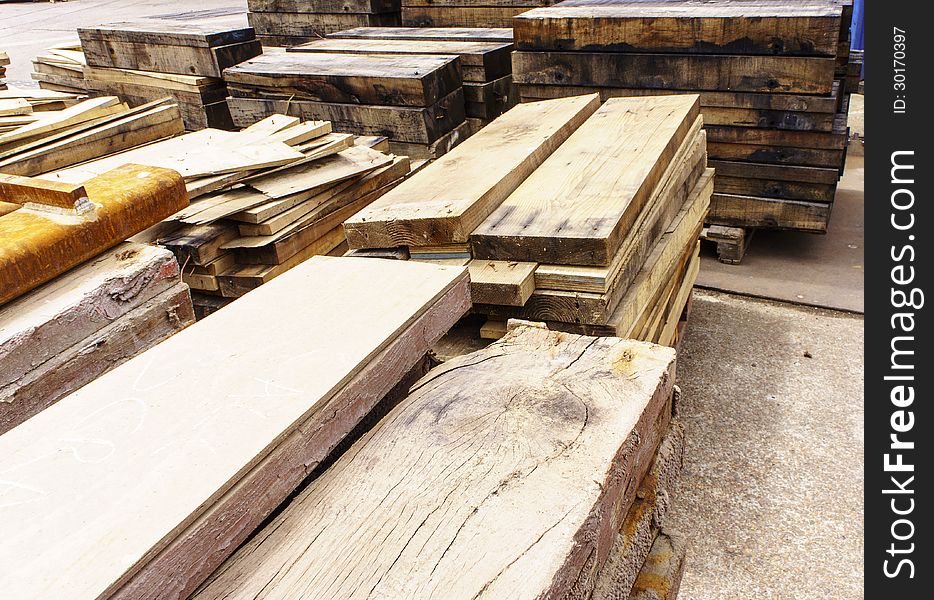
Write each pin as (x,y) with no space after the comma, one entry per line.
(254,392)
(576,208)
(774,137)
(751,211)
(192,33)
(774,188)
(784,74)
(417,80)
(293,28)
(324,172)
(198,244)
(448,16)
(451,196)
(401,123)
(324,6)
(682,27)
(22,190)
(747,118)
(478,34)
(83,111)
(779,172)
(501,282)
(489,481)
(777,155)
(480,61)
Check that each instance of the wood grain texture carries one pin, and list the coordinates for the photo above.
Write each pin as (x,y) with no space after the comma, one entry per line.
(167,32)
(486,34)
(398,123)
(501,282)
(324,6)
(449,16)
(295,28)
(577,206)
(181,59)
(412,80)
(777,155)
(135,331)
(82,458)
(681,27)
(454,194)
(564,423)
(780,74)
(752,211)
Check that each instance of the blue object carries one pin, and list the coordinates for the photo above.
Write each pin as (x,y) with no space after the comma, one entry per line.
(856,32)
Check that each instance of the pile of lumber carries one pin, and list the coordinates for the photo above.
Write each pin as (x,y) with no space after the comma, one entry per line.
(465,13)
(4,61)
(143,481)
(583,216)
(60,69)
(771,78)
(281,202)
(292,22)
(539,467)
(486,66)
(415,100)
(149,59)
(69,331)
(36,139)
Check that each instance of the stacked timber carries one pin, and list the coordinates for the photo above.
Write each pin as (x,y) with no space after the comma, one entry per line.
(538,467)
(465,13)
(291,22)
(36,139)
(4,61)
(142,482)
(69,331)
(767,72)
(486,67)
(586,218)
(60,69)
(146,60)
(415,100)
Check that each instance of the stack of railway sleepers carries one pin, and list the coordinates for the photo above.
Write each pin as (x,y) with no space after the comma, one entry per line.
(276,380)
(471,486)
(145,60)
(486,66)
(60,69)
(67,332)
(766,73)
(465,13)
(292,22)
(415,100)
(586,218)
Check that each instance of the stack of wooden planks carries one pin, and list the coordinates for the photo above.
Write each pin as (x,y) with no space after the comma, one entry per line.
(486,67)
(465,13)
(269,213)
(583,216)
(291,22)
(4,61)
(149,59)
(143,481)
(768,74)
(539,467)
(45,130)
(415,100)
(85,322)
(61,69)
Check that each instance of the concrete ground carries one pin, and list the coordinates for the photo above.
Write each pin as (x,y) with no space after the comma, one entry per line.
(771,497)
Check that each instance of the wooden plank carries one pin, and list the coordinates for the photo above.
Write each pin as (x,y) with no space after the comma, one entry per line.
(194,33)
(681,27)
(325,6)
(489,100)
(576,208)
(436,149)
(324,172)
(22,190)
(115,135)
(198,244)
(768,119)
(169,81)
(501,282)
(780,172)
(773,137)
(401,123)
(751,100)
(411,80)
(477,34)
(751,211)
(83,111)
(773,188)
(15,106)
(297,28)
(480,61)
(470,486)
(446,16)
(773,74)
(290,216)
(38,244)
(134,332)
(48,320)
(451,196)
(777,155)
(180,59)
(263,419)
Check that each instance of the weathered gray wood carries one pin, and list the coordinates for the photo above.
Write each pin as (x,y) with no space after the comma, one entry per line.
(168,32)
(775,74)
(479,34)
(506,473)
(297,28)
(752,211)
(185,60)
(777,155)
(324,6)
(471,16)
(398,123)
(412,80)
